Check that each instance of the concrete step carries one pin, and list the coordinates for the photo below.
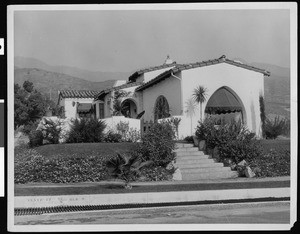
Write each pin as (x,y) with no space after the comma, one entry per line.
(209,175)
(191,157)
(188,153)
(198,160)
(191,149)
(198,165)
(200,170)
(184,145)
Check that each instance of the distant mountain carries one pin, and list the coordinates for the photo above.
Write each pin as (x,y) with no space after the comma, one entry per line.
(95,76)
(277,89)
(50,82)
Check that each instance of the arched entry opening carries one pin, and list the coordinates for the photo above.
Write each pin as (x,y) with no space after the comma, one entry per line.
(161,108)
(129,108)
(225,106)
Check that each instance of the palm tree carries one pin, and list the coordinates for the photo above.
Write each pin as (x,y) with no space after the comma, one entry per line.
(191,107)
(200,94)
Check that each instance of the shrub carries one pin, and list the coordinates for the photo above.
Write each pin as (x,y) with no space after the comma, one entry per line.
(158,144)
(110,136)
(26,129)
(233,140)
(126,168)
(86,130)
(35,138)
(128,134)
(174,122)
(189,139)
(52,131)
(277,126)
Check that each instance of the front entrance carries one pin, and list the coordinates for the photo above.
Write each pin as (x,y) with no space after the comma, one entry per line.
(225,106)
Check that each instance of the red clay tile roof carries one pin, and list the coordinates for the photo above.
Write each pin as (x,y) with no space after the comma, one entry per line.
(181,67)
(78,93)
(134,76)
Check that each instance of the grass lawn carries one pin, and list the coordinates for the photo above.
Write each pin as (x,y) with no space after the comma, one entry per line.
(84,149)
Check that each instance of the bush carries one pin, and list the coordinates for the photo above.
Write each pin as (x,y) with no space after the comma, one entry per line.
(233,140)
(35,138)
(276,127)
(112,137)
(128,134)
(158,144)
(26,129)
(52,131)
(189,139)
(126,168)
(86,130)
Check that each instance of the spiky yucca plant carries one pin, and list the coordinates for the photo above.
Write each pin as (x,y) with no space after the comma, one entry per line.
(126,168)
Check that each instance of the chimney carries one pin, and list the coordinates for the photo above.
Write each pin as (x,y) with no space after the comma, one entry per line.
(168,60)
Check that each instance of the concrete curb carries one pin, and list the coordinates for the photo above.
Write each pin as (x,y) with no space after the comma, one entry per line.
(155,197)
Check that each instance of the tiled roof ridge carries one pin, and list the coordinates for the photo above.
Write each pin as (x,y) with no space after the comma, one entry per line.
(123,86)
(181,67)
(148,69)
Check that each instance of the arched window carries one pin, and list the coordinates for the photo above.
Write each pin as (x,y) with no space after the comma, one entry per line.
(161,108)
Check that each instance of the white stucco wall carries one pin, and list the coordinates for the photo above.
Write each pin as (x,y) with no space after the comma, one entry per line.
(70,110)
(245,83)
(170,88)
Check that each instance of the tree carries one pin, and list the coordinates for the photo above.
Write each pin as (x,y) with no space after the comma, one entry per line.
(191,107)
(28,86)
(29,104)
(262,115)
(200,94)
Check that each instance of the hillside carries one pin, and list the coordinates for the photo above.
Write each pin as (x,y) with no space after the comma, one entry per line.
(94,76)
(277,90)
(50,82)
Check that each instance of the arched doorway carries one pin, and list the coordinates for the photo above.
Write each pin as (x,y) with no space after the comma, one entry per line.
(129,108)
(225,106)
(161,108)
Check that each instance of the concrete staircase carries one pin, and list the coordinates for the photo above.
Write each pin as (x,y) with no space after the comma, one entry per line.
(195,165)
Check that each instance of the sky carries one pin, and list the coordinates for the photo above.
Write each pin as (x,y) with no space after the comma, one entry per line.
(124,41)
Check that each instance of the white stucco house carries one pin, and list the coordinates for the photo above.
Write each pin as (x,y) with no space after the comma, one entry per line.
(76,103)
(164,91)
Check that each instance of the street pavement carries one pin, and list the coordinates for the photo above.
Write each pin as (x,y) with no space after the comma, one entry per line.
(241,213)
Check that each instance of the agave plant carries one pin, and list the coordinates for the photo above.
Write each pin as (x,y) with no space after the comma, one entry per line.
(126,168)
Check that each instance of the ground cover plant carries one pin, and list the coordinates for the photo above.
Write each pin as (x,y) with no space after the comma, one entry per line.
(275,159)
(71,163)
